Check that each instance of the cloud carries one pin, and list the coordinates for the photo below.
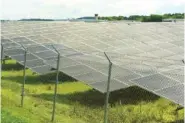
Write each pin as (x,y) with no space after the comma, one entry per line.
(12,9)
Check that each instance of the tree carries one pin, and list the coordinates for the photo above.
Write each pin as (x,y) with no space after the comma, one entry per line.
(143,18)
(156,18)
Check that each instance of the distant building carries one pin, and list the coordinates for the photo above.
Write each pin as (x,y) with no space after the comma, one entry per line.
(172,20)
(96,17)
(88,18)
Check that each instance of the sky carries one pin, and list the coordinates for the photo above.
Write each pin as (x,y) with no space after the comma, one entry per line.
(62,9)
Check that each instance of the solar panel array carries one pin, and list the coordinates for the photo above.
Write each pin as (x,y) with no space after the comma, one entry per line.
(145,54)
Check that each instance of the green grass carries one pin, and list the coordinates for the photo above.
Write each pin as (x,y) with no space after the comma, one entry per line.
(77,102)
(6,117)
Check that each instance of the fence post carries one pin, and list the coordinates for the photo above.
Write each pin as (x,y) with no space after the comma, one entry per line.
(24,76)
(2,53)
(56,84)
(107,93)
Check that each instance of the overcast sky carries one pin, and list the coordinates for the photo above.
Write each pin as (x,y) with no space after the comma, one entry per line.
(59,9)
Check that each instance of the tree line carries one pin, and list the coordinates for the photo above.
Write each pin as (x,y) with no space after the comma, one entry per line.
(144,18)
(36,19)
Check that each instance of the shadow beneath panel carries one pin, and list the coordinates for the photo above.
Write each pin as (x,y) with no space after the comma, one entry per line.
(93,98)
(40,79)
(11,66)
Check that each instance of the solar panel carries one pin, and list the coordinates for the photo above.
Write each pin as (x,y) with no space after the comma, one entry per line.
(20,39)
(34,63)
(177,74)
(13,52)
(57,46)
(114,85)
(46,54)
(64,62)
(76,70)
(10,45)
(21,57)
(36,48)
(150,58)
(4,41)
(91,77)
(26,42)
(176,50)
(161,53)
(155,82)
(45,69)
(68,52)
(141,69)
(174,93)
(178,43)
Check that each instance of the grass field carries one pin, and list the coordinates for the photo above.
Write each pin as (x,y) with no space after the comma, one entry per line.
(77,102)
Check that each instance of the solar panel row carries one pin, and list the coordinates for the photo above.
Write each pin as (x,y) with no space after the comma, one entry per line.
(68,65)
(16,51)
(145,54)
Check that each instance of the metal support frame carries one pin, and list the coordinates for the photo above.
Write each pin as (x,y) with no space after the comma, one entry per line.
(107,93)
(24,76)
(56,84)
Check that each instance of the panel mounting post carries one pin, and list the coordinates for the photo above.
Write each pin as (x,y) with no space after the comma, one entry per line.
(56,84)
(107,92)
(24,76)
